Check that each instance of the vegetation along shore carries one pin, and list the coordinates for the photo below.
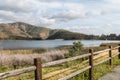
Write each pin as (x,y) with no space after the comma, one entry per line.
(16,59)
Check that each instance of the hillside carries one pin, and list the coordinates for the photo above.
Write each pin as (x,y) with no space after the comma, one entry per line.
(64,34)
(21,30)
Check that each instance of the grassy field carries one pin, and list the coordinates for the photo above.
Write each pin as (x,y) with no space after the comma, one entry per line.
(99,71)
(55,72)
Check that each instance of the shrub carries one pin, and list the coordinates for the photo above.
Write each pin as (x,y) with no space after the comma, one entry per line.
(75,49)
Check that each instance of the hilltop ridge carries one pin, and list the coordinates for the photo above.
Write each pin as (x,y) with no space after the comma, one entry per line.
(20,30)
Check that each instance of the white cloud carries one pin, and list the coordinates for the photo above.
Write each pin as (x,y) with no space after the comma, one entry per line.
(55,12)
(80,28)
(116,22)
(25,17)
(69,15)
(74,6)
(36,11)
(17,6)
(8,15)
(97,12)
(86,29)
(46,21)
(113,1)
(46,5)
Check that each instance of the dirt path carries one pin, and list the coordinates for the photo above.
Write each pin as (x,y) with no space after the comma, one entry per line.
(114,75)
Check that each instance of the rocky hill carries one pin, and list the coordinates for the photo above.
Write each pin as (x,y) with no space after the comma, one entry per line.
(21,30)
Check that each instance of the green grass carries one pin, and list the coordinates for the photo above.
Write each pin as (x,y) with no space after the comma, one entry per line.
(107,44)
(99,70)
(4,69)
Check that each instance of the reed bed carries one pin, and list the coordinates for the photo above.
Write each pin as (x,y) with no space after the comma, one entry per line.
(19,59)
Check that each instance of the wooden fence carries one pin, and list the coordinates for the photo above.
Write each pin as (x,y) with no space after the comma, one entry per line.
(37,68)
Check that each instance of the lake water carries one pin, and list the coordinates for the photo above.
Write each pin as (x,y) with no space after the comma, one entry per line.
(16,44)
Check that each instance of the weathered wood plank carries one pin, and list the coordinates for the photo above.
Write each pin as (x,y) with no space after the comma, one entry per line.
(16,72)
(116,55)
(110,55)
(98,52)
(75,73)
(64,60)
(95,64)
(38,71)
(115,48)
(119,51)
(91,64)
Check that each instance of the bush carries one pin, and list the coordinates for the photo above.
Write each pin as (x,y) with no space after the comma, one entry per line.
(75,49)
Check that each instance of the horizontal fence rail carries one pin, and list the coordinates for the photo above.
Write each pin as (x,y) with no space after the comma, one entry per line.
(65,60)
(98,52)
(17,72)
(75,73)
(37,68)
(102,61)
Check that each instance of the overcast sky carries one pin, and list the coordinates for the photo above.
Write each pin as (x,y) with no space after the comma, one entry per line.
(84,16)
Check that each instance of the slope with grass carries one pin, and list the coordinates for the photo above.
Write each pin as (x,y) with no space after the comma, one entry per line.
(20,30)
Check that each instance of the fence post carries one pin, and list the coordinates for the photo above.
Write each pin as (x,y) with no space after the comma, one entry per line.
(119,51)
(110,55)
(91,64)
(38,71)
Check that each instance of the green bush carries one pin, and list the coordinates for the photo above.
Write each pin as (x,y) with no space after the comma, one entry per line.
(75,49)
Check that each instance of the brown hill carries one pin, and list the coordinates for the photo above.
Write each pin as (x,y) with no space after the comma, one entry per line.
(21,30)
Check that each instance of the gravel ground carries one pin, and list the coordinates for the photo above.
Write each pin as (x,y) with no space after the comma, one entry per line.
(114,75)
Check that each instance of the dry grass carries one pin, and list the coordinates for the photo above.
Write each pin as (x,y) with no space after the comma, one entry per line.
(27,59)
(25,51)
(65,71)
(73,66)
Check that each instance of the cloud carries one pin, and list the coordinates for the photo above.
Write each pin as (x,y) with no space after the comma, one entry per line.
(59,1)
(69,15)
(97,12)
(79,28)
(84,29)
(7,15)
(46,21)
(97,30)
(17,6)
(25,17)
(37,11)
(47,5)
(111,5)
(81,15)
(116,22)
(113,1)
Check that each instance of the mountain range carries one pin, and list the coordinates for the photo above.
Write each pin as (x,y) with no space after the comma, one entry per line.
(24,31)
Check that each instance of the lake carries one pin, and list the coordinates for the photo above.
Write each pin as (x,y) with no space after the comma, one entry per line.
(16,44)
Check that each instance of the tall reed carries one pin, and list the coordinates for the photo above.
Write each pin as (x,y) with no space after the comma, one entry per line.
(27,59)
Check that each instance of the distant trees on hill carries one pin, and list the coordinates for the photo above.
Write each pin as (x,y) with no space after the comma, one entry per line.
(103,37)
(74,36)
(110,37)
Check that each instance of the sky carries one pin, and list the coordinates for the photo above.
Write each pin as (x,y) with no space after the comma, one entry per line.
(83,16)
